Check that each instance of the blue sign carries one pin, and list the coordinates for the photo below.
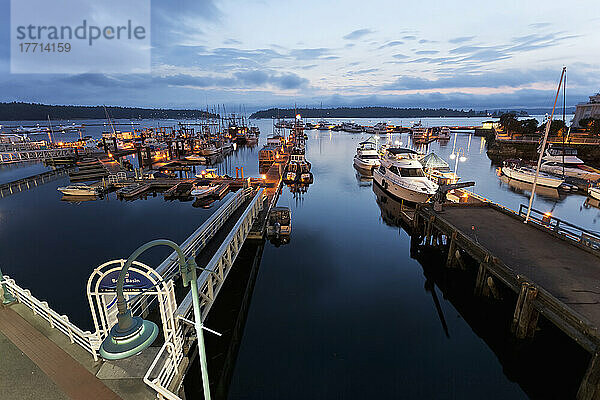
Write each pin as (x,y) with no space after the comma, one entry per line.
(134,282)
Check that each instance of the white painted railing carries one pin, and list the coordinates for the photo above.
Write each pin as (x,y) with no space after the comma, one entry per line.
(167,364)
(88,340)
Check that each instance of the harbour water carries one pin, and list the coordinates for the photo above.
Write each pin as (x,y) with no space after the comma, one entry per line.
(342,311)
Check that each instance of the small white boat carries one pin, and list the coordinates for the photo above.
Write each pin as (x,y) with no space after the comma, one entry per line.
(196,157)
(201,191)
(380,128)
(367,157)
(515,169)
(594,192)
(564,162)
(78,189)
(279,222)
(323,125)
(401,176)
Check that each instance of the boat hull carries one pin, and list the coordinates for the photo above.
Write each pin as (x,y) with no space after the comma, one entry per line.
(366,165)
(397,191)
(529,178)
(572,172)
(594,193)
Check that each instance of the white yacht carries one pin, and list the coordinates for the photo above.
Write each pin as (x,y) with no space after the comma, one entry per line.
(565,162)
(196,157)
(78,189)
(515,169)
(401,175)
(323,125)
(201,191)
(418,130)
(367,157)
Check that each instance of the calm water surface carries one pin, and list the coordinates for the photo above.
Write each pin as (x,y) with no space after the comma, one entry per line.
(340,312)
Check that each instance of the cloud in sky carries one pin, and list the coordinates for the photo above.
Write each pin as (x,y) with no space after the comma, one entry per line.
(357,34)
(231,51)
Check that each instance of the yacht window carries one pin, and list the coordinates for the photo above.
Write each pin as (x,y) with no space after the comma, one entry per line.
(382,169)
(394,170)
(370,156)
(411,172)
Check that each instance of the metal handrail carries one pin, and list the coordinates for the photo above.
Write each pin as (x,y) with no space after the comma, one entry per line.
(86,339)
(562,227)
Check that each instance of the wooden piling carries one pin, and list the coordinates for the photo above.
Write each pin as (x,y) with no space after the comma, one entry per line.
(525,316)
(451,250)
(589,389)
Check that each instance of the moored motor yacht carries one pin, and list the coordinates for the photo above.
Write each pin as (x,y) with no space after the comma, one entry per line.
(367,157)
(196,157)
(201,191)
(380,128)
(594,192)
(444,133)
(401,175)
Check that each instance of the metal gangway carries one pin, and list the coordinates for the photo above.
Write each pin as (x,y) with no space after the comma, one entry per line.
(165,374)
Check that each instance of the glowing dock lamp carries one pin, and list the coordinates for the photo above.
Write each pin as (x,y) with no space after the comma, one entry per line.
(131,335)
(458,157)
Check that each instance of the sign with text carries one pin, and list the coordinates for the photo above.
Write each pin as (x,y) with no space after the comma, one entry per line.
(80,36)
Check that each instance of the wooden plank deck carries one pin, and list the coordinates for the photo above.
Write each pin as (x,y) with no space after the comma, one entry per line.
(566,274)
(68,375)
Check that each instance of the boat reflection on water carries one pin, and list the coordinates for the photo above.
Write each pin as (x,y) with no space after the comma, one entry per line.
(591,202)
(78,199)
(525,188)
(529,364)
(363,180)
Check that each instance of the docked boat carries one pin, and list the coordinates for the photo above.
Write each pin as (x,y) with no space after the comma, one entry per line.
(209,150)
(298,170)
(444,133)
(380,128)
(367,157)
(418,130)
(351,127)
(323,125)
(594,192)
(79,189)
(564,162)
(401,175)
(196,157)
(516,169)
(201,191)
(279,222)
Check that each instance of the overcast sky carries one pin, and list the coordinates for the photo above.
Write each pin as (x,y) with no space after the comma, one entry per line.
(463,54)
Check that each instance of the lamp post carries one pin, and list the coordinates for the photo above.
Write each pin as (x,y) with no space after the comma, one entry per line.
(458,158)
(132,335)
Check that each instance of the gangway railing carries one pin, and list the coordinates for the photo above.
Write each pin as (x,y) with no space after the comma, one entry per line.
(167,366)
(86,339)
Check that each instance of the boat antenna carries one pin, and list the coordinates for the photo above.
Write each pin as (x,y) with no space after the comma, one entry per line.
(548,123)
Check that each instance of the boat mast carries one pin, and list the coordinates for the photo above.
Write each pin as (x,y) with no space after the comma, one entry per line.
(564,121)
(548,123)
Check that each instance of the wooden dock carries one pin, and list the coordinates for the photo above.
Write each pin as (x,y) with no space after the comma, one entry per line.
(273,182)
(552,266)
(20,185)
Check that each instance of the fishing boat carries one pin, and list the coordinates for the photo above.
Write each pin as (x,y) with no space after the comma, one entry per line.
(209,150)
(563,161)
(401,175)
(516,169)
(418,130)
(79,189)
(196,157)
(291,172)
(279,222)
(367,157)
(201,191)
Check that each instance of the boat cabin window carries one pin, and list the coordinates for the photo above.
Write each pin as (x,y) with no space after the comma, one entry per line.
(411,172)
(382,169)
(369,156)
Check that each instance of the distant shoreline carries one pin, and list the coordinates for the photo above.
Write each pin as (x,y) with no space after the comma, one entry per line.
(375,112)
(38,112)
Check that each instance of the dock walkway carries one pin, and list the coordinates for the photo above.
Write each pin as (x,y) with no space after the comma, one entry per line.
(554,270)
(71,380)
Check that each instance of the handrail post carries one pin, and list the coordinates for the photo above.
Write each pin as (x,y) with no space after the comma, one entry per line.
(7,297)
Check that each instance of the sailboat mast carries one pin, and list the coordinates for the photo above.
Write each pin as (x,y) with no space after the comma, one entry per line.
(548,123)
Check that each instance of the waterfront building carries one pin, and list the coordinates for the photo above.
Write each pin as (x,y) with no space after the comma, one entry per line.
(590,109)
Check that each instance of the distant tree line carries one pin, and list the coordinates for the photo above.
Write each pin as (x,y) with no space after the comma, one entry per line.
(513,126)
(365,112)
(32,111)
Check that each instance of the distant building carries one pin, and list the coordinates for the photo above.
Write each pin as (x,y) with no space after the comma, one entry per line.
(490,124)
(590,109)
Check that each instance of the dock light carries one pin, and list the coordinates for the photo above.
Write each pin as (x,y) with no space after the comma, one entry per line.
(463,159)
(110,155)
(263,176)
(298,116)
(131,335)
(452,156)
